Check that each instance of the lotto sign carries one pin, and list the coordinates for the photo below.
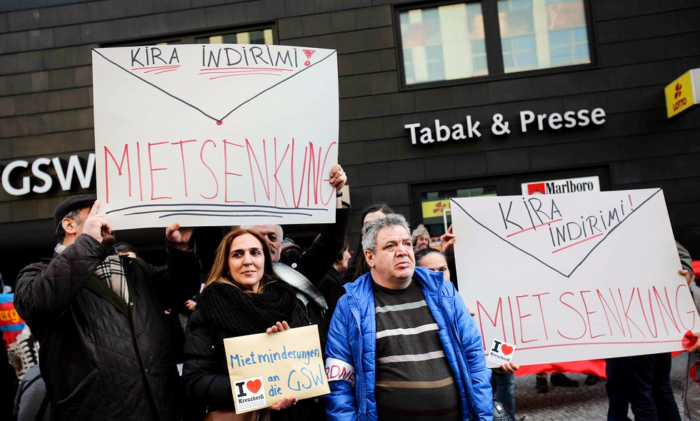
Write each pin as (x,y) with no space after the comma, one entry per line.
(597,274)
(682,93)
(215,134)
(266,368)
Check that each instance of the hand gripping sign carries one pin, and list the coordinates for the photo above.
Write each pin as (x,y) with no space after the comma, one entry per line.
(266,368)
(215,134)
(573,277)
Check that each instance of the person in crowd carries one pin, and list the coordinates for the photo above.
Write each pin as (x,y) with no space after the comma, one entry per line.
(31,402)
(357,265)
(447,242)
(126,249)
(175,313)
(332,284)
(312,265)
(105,351)
(690,388)
(290,252)
(8,382)
(242,296)
(503,378)
(643,382)
(434,260)
(407,338)
(420,238)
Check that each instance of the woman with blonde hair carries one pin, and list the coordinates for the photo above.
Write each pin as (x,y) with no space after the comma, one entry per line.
(241,297)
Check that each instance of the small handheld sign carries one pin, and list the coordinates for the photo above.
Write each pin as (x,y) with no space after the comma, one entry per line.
(501,352)
(266,368)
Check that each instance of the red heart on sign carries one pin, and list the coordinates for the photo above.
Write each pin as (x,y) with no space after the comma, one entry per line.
(507,350)
(254,385)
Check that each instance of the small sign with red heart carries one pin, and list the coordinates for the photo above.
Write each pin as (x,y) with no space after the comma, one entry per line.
(501,352)
(249,394)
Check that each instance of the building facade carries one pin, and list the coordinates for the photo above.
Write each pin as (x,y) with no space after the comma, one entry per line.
(437,99)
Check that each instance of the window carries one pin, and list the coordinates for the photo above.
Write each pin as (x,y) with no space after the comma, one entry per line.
(443,43)
(491,37)
(263,36)
(256,35)
(435,202)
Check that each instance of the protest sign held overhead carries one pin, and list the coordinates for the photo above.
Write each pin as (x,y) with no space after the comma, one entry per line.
(215,134)
(266,368)
(573,277)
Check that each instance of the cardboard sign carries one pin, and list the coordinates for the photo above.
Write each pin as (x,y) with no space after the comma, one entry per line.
(573,277)
(215,134)
(266,368)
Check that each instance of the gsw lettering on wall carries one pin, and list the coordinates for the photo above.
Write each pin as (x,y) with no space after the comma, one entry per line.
(19,185)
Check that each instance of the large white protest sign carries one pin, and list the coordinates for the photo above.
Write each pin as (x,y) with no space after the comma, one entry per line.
(573,277)
(215,134)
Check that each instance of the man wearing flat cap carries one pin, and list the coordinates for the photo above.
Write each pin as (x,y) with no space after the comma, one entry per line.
(105,351)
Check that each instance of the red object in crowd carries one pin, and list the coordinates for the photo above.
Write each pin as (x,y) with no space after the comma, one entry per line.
(689,339)
(589,367)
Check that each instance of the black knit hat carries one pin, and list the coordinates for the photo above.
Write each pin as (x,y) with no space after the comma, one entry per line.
(71,204)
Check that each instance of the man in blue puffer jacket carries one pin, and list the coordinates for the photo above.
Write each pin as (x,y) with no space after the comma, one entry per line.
(401,342)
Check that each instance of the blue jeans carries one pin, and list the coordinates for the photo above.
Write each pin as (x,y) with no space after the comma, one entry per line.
(504,386)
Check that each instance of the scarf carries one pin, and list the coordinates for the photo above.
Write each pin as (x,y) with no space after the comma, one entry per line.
(228,308)
(110,271)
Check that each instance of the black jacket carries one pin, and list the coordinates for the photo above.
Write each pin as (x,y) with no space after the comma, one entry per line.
(103,358)
(314,264)
(207,378)
(332,289)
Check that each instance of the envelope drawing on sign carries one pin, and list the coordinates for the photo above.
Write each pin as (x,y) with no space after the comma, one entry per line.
(571,277)
(220,134)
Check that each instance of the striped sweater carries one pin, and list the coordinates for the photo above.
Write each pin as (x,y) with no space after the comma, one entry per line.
(413,377)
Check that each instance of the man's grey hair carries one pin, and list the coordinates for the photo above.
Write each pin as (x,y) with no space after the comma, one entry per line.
(279,228)
(372,228)
(60,233)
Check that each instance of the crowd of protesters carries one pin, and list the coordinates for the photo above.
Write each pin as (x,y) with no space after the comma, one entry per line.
(114,330)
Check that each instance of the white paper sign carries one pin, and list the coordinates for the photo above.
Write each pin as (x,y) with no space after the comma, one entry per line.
(215,134)
(573,277)
(500,352)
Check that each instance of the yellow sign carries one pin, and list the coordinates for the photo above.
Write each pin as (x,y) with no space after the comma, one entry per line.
(681,94)
(265,368)
(435,208)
